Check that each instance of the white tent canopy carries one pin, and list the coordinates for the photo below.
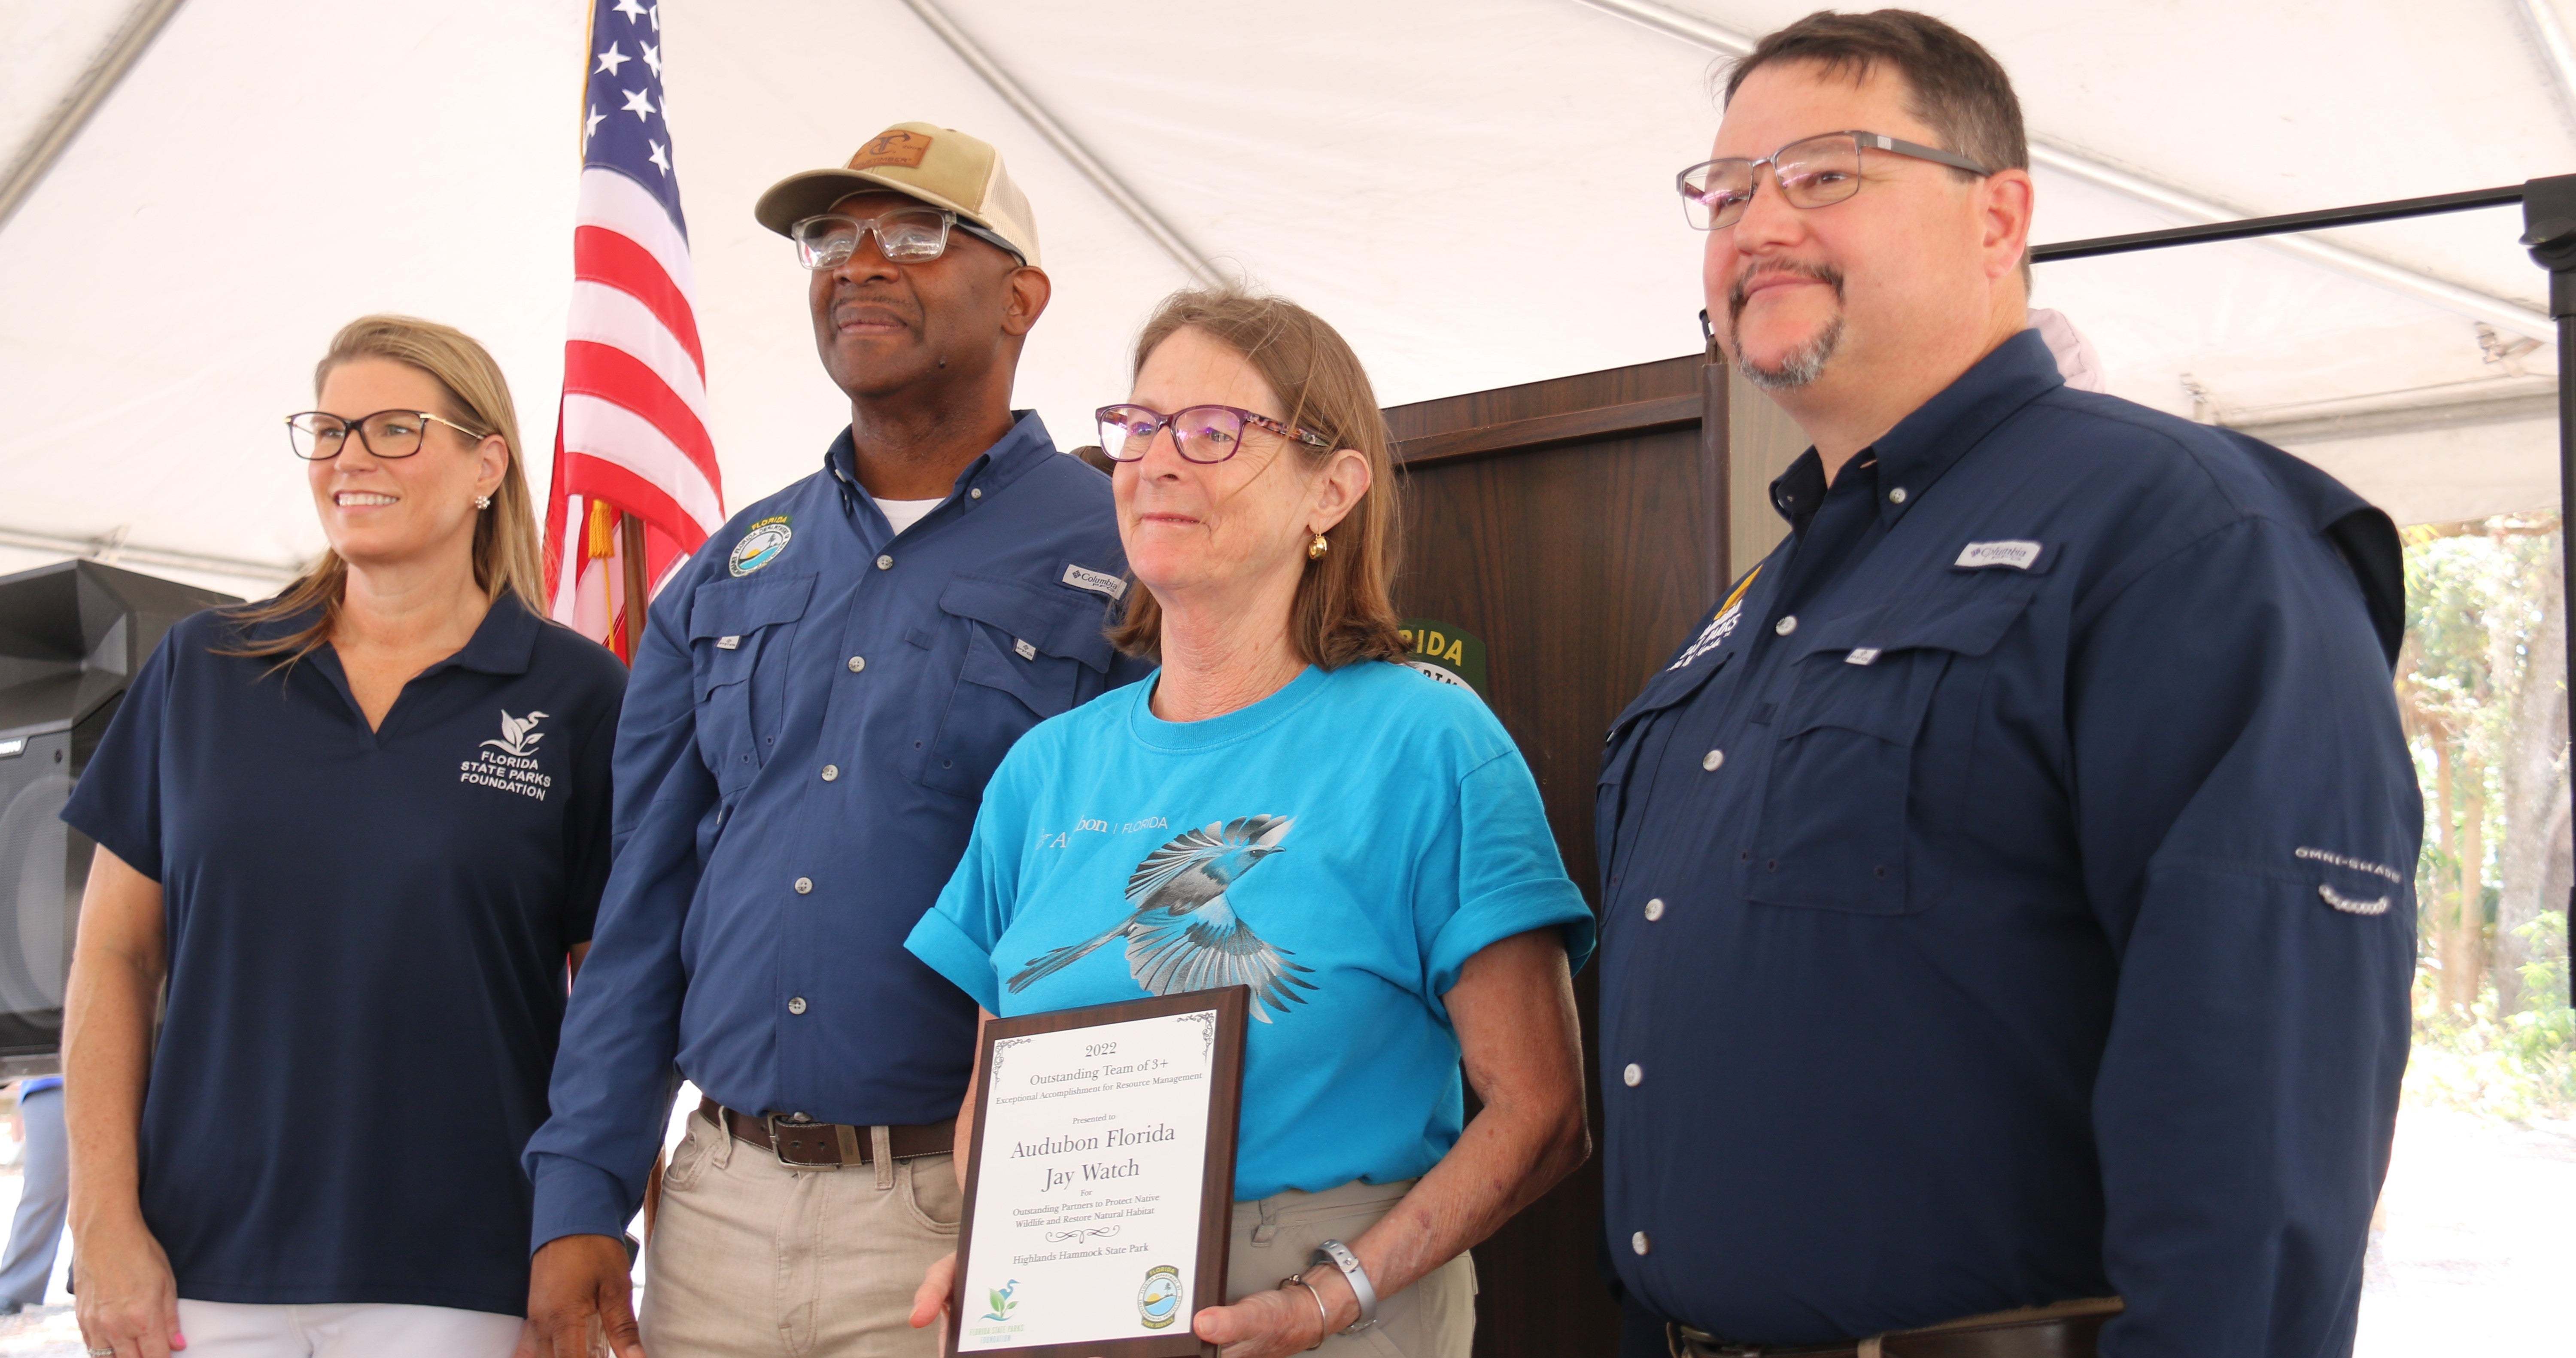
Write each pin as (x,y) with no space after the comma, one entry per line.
(1478,192)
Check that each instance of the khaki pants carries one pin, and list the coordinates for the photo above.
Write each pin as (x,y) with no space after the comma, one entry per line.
(750,1259)
(1434,1318)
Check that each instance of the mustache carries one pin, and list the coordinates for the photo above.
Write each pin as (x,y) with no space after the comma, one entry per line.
(1736,297)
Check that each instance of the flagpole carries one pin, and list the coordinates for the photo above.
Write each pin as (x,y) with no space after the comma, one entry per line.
(630,544)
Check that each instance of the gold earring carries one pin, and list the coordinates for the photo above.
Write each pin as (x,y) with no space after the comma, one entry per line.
(482,502)
(1315,550)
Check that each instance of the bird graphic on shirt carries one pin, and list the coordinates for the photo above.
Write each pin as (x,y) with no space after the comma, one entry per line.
(1184,934)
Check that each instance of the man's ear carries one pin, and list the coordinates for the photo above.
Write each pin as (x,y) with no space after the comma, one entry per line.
(1030,289)
(2004,202)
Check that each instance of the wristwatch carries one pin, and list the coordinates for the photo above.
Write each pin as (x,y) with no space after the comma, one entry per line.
(1339,1256)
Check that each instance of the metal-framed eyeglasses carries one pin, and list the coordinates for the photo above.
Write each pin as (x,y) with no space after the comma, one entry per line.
(907,235)
(317,436)
(1202,433)
(1817,171)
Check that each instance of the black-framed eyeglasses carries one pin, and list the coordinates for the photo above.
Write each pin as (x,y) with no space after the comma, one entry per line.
(1817,171)
(317,436)
(908,235)
(1202,433)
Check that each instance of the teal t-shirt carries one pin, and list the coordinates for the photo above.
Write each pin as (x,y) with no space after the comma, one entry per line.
(1342,846)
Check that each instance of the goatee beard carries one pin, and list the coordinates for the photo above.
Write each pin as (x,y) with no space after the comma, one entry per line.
(1799,367)
(1803,364)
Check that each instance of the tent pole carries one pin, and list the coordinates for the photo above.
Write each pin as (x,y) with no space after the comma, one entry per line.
(46,144)
(2549,232)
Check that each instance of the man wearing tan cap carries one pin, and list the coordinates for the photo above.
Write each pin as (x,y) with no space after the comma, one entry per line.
(820,696)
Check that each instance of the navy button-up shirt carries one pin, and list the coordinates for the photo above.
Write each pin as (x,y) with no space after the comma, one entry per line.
(2008,893)
(814,713)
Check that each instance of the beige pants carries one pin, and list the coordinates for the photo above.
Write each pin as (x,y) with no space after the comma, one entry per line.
(1434,1318)
(750,1259)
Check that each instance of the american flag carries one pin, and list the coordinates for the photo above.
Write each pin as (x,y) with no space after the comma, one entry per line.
(634,467)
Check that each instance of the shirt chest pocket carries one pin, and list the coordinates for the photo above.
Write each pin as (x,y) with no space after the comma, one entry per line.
(1621,748)
(1834,823)
(733,625)
(1026,653)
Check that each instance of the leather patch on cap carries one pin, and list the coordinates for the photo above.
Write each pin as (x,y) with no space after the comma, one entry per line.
(899,148)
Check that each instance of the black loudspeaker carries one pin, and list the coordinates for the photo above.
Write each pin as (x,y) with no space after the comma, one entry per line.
(71,637)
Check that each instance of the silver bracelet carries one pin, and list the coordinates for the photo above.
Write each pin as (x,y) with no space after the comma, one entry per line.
(1339,1256)
(1323,1317)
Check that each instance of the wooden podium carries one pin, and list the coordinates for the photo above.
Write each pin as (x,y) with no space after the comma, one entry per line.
(1579,527)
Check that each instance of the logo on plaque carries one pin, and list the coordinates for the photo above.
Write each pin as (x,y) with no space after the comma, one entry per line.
(1158,1302)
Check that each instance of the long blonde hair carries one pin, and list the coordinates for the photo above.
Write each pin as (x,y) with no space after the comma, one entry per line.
(477,396)
(1343,611)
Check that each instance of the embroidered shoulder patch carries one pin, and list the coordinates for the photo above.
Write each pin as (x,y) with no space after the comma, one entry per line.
(760,545)
(1098,582)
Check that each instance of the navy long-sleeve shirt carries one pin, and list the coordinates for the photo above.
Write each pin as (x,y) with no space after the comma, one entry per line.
(2008,893)
(817,704)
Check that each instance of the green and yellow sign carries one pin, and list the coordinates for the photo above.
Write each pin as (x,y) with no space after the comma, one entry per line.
(1445,652)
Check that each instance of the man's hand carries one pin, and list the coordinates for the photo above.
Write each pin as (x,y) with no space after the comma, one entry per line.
(578,1286)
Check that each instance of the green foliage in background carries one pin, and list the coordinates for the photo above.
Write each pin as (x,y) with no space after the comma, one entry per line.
(2477,596)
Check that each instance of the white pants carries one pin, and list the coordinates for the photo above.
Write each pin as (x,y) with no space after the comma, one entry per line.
(222,1329)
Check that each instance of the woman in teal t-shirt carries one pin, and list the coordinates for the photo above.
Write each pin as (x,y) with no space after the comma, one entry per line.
(1280,807)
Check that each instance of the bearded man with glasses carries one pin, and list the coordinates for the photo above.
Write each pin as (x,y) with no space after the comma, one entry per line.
(820,697)
(2007,910)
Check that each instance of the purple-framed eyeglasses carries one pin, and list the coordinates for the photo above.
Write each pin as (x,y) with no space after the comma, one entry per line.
(1207,433)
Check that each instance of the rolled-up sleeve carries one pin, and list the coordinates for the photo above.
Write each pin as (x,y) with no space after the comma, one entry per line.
(2250,823)
(613,1078)
(1510,879)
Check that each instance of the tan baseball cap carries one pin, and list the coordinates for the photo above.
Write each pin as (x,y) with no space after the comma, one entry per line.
(938,165)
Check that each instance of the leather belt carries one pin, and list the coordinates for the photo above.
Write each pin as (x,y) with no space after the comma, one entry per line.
(829,1145)
(2063,1330)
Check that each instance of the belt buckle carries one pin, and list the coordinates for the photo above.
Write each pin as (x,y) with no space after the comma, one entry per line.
(1702,1344)
(847,1139)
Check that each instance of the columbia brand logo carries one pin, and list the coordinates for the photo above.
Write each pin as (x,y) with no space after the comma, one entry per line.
(2018,555)
(1098,582)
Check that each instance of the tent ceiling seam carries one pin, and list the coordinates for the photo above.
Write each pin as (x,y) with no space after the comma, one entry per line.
(2076,163)
(2548,30)
(1063,140)
(54,135)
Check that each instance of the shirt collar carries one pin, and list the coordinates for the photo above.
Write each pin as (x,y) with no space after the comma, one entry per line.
(505,643)
(1930,441)
(998,466)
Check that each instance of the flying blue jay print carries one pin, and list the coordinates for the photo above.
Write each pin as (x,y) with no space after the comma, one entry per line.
(1184,934)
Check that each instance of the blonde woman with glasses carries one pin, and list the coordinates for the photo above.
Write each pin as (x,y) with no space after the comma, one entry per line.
(349,840)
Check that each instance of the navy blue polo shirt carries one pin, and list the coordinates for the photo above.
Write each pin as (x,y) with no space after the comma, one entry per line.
(2008,893)
(818,704)
(366,934)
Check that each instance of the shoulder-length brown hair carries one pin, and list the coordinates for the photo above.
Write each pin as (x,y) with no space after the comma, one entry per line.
(475,395)
(1342,611)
